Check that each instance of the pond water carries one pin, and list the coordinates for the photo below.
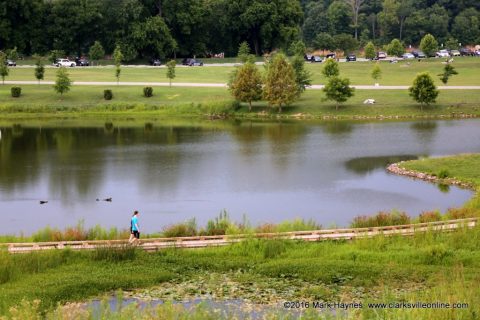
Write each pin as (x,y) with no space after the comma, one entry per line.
(267,171)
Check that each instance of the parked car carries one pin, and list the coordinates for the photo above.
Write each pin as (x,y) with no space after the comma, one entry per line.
(442,54)
(316,59)
(466,52)
(155,62)
(194,63)
(381,55)
(65,63)
(408,55)
(351,57)
(10,63)
(419,54)
(454,53)
(82,62)
(330,56)
(308,57)
(477,52)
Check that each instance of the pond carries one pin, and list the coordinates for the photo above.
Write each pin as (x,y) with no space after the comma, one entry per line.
(266,171)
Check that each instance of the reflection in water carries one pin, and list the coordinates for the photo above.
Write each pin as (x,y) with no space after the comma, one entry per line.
(270,171)
(340,128)
(445,188)
(367,164)
(425,130)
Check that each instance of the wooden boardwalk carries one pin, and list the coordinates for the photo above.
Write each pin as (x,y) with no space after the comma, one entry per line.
(155,244)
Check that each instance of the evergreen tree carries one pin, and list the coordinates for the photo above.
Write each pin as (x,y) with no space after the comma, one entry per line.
(246,85)
(244,53)
(280,88)
(303,77)
(62,82)
(423,89)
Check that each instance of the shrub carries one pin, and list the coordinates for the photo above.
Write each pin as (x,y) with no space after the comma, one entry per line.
(107,94)
(381,219)
(442,174)
(429,216)
(186,229)
(16,91)
(462,213)
(148,92)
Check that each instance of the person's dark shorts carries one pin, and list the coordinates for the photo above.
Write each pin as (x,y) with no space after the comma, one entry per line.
(136,234)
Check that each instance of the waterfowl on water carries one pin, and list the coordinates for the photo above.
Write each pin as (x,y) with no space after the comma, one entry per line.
(43,201)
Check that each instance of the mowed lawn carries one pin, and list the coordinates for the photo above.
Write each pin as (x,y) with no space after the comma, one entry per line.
(389,103)
(401,73)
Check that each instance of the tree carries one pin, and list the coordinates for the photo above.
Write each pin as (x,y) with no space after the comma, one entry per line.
(339,18)
(404,10)
(429,45)
(370,51)
(330,69)
(246,85)
(345,42)
(376,72)
(466,26)
(388,19)
(355,5)
(395,48)
(171,70)
(96,51)
(302,76)
(55,55)
(62,82)
(452,44)
(244,53)
(423,89)
(448,71)
(280,87)
(3,67)
(324,41)
(117,58)
(39,68)
(13,54)
(338,90)
(297,48)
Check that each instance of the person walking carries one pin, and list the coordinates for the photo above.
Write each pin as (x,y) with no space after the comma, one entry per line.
(134,228)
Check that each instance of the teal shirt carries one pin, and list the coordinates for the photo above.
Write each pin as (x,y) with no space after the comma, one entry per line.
(134,223)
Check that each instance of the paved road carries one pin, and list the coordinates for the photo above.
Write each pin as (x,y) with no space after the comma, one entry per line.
(224,85)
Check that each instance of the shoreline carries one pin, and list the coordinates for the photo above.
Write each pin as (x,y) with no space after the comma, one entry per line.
(396,168)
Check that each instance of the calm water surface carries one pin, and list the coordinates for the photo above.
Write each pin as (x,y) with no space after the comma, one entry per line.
(270,172)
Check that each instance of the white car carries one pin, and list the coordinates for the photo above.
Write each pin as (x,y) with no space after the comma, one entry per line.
(442,54)
(455,53)
(408,56)
(65,63)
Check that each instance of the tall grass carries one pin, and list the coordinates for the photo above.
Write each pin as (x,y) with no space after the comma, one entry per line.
(381,219)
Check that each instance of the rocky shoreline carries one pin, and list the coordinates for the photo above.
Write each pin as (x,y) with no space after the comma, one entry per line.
(396,168)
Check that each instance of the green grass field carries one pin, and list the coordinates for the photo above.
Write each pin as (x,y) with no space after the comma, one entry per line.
(42,101)
(401,73)
(427,268)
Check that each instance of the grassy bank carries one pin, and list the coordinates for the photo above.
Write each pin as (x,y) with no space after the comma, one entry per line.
(428,267)
(401,73)
(465,168)
(84,101)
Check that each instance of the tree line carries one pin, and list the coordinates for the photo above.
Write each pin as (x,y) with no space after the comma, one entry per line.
(181,28)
